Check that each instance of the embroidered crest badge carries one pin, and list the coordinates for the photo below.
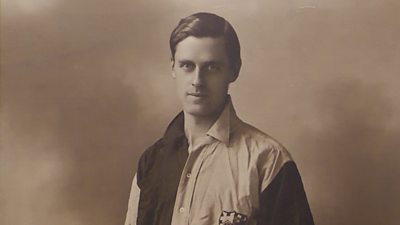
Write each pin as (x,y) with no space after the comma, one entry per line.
(232,218)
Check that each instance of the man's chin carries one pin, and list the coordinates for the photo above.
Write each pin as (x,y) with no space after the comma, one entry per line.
(198,111)
(201,110)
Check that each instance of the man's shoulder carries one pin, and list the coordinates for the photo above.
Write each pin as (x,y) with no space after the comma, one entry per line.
(269,155)
(149,158)
(151,153)
(259,142)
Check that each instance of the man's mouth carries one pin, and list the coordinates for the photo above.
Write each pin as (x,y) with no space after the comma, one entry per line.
(195,94)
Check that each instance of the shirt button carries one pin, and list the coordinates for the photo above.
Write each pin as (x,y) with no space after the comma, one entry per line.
(181,210)
(188,175)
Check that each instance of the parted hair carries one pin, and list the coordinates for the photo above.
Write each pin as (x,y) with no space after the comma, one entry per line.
(208,25)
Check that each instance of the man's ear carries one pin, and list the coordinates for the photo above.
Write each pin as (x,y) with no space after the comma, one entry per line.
(235,71)
(172,68)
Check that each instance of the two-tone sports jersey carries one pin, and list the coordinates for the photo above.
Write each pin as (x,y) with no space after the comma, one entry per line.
(236,175)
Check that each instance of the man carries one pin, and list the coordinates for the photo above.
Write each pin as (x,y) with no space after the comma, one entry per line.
(210,167)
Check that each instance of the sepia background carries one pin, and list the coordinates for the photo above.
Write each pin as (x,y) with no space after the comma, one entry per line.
(86,87)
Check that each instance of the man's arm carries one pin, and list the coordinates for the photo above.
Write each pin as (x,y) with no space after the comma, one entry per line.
(284,202)
(131,213)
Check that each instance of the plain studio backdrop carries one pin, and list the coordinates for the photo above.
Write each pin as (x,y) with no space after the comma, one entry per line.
(86,87)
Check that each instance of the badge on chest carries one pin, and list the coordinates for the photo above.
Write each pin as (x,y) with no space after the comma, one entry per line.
(232,218)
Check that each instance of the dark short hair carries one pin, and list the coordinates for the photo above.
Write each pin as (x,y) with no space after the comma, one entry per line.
(208,25)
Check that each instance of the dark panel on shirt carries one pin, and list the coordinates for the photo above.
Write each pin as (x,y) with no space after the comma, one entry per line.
(159,171)
(284,201)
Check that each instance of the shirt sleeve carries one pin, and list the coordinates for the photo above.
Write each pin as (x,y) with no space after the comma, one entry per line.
(283,201)
(131,213)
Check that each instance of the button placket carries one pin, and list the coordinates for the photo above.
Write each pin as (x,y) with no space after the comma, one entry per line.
(187,183)
(208,149)
(190,183)
(181,208)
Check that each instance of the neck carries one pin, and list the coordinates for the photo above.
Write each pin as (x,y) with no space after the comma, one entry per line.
(197,126)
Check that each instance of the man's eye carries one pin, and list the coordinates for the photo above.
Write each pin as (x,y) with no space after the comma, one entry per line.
(187,66)
(213,68)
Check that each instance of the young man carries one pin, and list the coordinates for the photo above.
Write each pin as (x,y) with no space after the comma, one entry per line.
(210,167)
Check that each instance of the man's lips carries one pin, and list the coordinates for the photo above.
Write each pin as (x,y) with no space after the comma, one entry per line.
(195,94)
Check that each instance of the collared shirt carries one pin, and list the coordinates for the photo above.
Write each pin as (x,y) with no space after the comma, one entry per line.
(234,176)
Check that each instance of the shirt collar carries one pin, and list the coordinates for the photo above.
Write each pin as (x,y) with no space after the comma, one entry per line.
(220,130)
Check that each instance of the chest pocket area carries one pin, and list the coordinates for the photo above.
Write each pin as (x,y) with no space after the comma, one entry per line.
(225,203)
(225,191)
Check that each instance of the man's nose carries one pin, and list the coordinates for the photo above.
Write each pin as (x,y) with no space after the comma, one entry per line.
(198,78)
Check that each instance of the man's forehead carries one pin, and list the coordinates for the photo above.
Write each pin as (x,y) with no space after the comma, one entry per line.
(201,48)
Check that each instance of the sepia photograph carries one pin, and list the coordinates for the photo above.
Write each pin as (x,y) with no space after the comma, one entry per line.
(199,112)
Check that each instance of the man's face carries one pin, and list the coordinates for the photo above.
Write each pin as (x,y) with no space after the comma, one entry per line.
(202,73)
